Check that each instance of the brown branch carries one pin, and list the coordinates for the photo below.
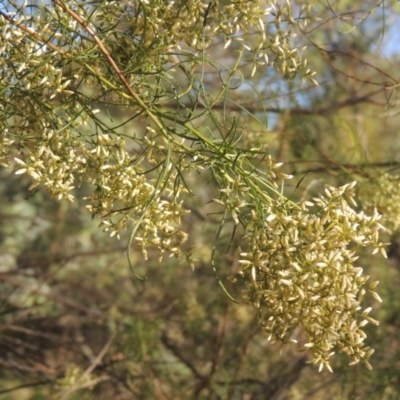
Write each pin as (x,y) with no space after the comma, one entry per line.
(38,37)
(102,48)
(351,54)
(325,53)
(85,385)
(58,298)
(12,364)
(158,386)
(220,342)
(255,107)
(30,332)
(339,166)
(323,385)
(23,386)
(81,384)
(281,380)
(177,353)
(206,383)
(239,364)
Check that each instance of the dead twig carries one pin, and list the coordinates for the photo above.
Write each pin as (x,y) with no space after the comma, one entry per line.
(80,383)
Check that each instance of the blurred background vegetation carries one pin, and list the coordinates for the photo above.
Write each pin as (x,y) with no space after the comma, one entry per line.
(75,324)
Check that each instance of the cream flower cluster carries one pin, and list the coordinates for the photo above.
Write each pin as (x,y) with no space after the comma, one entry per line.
(300,270)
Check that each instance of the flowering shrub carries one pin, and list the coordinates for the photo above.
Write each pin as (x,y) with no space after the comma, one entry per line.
(62,65)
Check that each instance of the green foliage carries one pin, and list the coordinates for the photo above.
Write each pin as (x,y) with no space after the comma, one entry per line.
(152,116)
